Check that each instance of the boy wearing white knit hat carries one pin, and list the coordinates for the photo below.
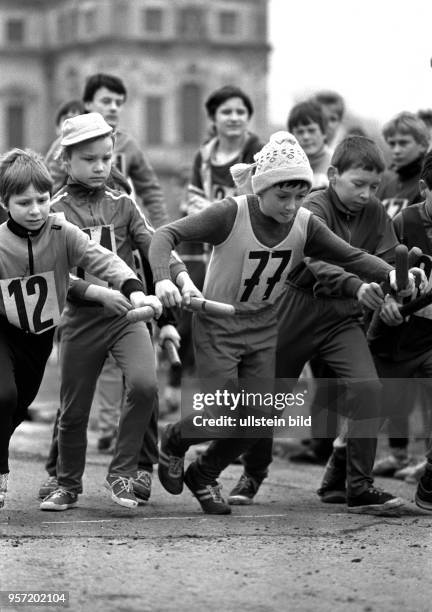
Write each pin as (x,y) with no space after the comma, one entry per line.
(257,240)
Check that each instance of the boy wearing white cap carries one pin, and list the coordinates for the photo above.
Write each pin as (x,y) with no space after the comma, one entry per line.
(257,240)
(89,331)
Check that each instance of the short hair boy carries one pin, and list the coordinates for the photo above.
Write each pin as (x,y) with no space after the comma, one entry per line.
(407,137)
(308,123)
(37,251)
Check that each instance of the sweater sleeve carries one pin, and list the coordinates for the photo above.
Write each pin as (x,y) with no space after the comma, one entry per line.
(212,225)
(322,243)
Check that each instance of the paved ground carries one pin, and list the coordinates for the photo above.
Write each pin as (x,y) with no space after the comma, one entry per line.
(288,551)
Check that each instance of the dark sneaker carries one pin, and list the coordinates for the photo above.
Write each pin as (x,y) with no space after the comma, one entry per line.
(48,486)
(423,496)
(142,486)
(60,499)
(3,488)
(121,490)
(244,491)
(208,494)
(374,501)
(170,466)
(388,466)
(332,489)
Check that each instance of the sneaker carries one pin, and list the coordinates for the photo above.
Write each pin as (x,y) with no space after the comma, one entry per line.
(208,494)
(374,501)
(142,486)
(389,465)
(332,489)
(121,490)
(48,486)
(170,467)
(423,496)
(244,491)
(3,488)
(412,473)
(60,499)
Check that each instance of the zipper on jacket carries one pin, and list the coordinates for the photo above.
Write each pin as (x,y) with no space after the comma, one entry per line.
(30,254)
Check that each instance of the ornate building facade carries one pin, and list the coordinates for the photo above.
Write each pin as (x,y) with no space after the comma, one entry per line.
(170,53)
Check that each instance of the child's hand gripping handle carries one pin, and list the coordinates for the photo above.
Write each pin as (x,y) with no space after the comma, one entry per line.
(171,351)
(211,307)
(143,313)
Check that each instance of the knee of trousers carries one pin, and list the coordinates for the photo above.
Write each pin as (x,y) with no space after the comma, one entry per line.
(143,389)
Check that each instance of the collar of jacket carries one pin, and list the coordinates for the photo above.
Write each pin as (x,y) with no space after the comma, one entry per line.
(340,206)
(410,170)
(82,191)
(21,231)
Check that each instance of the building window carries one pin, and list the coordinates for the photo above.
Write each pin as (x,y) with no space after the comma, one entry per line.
(228,23)
(190,113)
(90,21)
(15,31)
(15,125)
(120,16)
(191,24)
(153,20)
(154,113)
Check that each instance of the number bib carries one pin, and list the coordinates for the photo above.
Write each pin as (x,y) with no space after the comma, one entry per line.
(31,303)
(393,206)
(263,275)
(105,236)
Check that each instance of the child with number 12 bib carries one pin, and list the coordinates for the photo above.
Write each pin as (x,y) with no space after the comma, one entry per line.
(37,252)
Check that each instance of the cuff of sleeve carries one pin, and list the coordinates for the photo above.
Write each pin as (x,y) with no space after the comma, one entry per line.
(351,286)
(130,286)
(175,270)
(161,273)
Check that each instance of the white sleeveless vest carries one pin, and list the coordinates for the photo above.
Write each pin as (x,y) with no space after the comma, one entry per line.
(244,272)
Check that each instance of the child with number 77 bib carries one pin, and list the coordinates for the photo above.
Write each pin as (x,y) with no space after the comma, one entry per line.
(257,240)
(37,252)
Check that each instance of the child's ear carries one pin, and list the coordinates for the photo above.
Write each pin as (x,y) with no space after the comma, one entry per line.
(332,174)
(422,188)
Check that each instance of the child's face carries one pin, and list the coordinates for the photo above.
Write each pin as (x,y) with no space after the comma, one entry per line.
(30,208)
(310,137)
(90,162)
(108,103)
(282,202)
(231,118)
(404,149)
(355,186)
(334,120)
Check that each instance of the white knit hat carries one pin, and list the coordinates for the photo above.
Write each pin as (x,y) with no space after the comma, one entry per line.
(83,127)
(281,159)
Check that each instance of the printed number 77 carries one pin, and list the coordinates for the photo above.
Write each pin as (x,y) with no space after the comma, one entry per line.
(263,258)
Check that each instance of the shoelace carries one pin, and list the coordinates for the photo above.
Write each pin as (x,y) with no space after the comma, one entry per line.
(126,484)
(215,492)
(59,492)
(176,465)
(144,477)
(248,483)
